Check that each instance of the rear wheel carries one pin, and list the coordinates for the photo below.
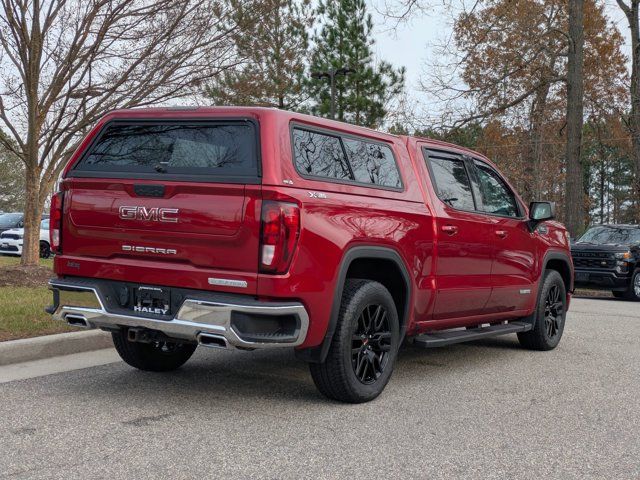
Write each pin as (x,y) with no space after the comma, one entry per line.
(364,346)
(549,317)
(45,250)
(153,357)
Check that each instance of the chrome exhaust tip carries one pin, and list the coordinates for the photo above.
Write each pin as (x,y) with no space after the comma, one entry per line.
(212,341)
(77,320)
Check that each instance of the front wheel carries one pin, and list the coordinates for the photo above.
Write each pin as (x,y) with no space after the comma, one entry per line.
(153,357)
(364,346)
(549,316)
(633,293)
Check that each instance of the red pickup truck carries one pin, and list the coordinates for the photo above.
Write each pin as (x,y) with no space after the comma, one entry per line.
(253,228)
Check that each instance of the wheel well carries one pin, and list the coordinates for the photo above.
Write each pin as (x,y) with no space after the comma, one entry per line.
(388,273)
(563,269)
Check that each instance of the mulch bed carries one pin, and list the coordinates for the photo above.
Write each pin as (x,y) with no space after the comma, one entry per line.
(592,293)
(18,276)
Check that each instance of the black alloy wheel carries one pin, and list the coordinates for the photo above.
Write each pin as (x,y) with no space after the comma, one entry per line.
(371,344)
(550,314)
(364,346)
(553,312)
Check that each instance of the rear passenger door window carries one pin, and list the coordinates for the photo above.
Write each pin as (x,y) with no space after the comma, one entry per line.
(372,163)
(497,197)
(451,180)
(320,155)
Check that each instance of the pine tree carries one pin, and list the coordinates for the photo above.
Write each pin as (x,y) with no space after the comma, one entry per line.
(273,44)
(345,41)
(11,179)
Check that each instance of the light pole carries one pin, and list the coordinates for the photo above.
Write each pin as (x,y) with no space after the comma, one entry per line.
(331,75)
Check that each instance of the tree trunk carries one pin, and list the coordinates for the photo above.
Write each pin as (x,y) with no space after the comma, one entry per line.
(32,218)
(602,189)
(632,17)
(533,188)
(574,182)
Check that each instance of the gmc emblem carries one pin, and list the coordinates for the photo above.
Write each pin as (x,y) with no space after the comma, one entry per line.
(155,214)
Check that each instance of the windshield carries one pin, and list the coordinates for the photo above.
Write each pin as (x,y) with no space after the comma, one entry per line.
(611,235)
(10,220)
(44,225)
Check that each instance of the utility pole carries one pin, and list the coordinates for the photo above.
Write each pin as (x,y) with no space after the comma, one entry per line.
(331,75)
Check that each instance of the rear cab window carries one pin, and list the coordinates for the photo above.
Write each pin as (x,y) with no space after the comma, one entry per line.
(451,179)
(470,185)
(208,150)
(345,159)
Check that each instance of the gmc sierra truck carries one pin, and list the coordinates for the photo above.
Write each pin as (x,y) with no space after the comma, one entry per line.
(251,228)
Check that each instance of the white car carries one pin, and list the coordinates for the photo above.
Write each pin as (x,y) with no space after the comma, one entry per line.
(11,241)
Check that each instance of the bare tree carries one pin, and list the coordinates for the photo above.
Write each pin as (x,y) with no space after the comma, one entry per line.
(65,63)
(574,184)
(631,9)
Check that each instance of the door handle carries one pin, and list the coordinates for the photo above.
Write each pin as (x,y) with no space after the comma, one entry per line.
(449,229)
(502,233)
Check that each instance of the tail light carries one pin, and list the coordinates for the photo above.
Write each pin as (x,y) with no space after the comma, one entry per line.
(55,222)
(280,231)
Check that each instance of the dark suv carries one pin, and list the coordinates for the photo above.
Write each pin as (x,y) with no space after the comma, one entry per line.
(608,257)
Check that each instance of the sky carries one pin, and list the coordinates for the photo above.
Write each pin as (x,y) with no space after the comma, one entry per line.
(412,45)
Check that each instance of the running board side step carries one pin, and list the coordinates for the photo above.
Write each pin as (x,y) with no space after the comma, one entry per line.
(449,337)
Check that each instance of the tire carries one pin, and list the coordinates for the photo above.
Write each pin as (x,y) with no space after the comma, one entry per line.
(152,357)
(633,293)
(45,250)
(363,350)
(618,294)
(549,316)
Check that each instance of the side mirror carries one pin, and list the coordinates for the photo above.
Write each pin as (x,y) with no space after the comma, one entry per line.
(539,212)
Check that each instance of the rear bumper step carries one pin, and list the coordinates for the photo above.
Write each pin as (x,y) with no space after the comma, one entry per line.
(450,337)
(212,323)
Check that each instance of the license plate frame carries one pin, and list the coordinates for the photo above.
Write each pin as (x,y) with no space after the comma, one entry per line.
(152,300)
(582,277)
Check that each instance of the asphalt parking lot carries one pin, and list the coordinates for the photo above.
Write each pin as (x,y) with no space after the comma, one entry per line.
(483,410)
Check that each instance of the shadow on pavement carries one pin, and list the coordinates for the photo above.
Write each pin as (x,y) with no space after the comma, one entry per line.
(231,379)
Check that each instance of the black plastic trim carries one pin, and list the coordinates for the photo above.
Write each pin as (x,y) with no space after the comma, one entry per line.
(146,190)
(319,354)
(566,258)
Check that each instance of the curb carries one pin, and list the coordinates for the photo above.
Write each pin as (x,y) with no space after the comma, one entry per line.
(38,348)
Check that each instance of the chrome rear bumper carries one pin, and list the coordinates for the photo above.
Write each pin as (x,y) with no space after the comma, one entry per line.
(196,320)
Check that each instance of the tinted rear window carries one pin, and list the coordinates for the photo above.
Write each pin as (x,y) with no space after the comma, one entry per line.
(372,163)
(179,148)
(344,158)
(320,155)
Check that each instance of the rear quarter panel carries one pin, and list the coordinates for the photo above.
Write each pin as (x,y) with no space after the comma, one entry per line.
(337,217)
